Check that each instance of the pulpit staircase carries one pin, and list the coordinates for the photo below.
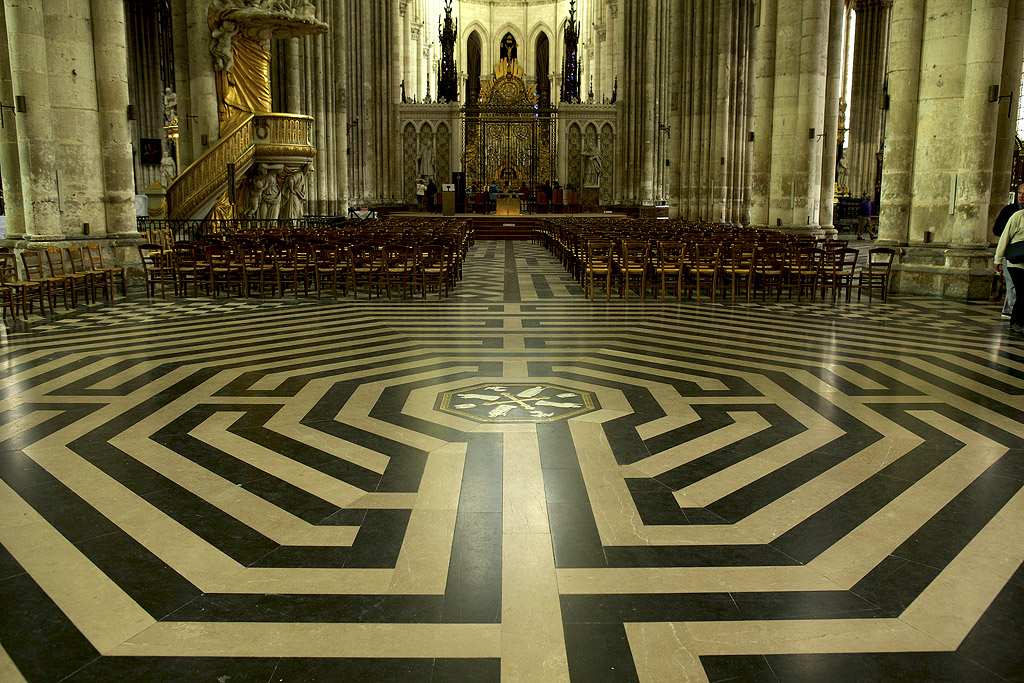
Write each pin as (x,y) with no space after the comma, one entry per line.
(260,138)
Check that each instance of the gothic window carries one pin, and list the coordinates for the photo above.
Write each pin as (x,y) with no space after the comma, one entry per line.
(542,66)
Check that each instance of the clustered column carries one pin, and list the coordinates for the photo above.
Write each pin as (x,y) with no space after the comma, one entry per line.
(870,50)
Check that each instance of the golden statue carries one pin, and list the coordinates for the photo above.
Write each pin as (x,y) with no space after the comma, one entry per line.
(240,35)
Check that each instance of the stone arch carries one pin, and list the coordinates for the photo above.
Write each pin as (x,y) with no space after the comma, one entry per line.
(485,45)
(523,50)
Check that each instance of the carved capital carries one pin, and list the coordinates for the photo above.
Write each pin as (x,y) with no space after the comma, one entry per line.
(613,8)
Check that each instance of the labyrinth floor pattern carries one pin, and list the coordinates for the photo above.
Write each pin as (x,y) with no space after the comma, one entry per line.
(204,490)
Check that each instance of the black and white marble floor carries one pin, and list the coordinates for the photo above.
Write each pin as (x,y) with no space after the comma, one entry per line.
(513,483)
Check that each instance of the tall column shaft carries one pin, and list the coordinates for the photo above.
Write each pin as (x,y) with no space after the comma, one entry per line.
(871,44)
(763,115)
(38,169)
(985,47)
(111,55)
(907,30)
(1007,125)
(831,125)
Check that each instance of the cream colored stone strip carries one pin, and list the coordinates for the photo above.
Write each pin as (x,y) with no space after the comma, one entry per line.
(97,607)
(8,670)
(612,581)
(216,639)
(422,566)
(532,639)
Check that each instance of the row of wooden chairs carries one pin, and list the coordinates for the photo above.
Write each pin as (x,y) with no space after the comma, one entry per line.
(56,273)
(253,269)
(674,267)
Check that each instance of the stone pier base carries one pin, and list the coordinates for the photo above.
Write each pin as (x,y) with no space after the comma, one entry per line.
(953,273)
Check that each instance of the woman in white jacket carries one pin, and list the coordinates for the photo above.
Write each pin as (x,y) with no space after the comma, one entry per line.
(1014,232)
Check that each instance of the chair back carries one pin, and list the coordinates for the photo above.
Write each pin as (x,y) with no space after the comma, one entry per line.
(8,268)
(33,263)
(880,260)
(77,259)
(55,259)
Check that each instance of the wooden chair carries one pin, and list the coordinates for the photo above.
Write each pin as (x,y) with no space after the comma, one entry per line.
(95,252)
(875,272)
(704,265)
(803,270)
(669,267)
(633,266)
(225,269)
(843,274)
(189,267)
(291,268)
(398,266)
(33,263)
(26,288)
(95,281)
(364,264)
(599,264)
(738,266)
(75,281)
(330,269)
(157,269)
(7,301)
(257,269)
(769,268)
(435,264)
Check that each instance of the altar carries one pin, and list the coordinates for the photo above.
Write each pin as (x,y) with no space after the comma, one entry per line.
(508,205)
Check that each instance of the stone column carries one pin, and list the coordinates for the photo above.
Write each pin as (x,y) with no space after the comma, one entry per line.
(38,167)
(677,96)
(811,115)
(985,45)
(110,53)
(764,114)
(831,125)
(10,154)
(871,44)
(340,33)
(906,33)
(293,78)
(1007,125)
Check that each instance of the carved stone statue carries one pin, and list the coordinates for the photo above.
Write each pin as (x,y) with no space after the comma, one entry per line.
(170,107)
(240,36)
(295,193)
(167,170)
(270,198)
(256,187)
(592,167)
(426,164)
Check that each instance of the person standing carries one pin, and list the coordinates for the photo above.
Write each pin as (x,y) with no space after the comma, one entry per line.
(421,194)
(1012,234)
(431,193)
(997,230)
(864,218)
(492,197)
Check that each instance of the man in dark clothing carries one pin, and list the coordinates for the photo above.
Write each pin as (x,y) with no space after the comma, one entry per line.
(431,193)
(997,229)
(864,218)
